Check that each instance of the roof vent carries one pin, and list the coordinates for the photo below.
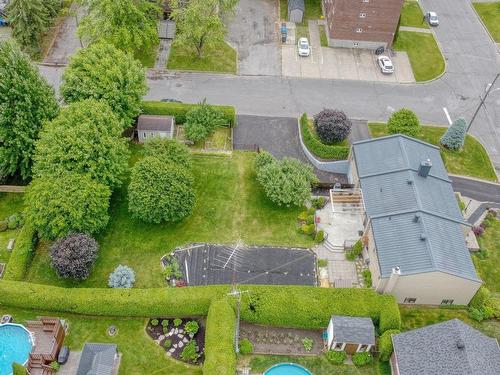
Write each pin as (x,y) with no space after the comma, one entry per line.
(423,237)
(425,168)
(409,181)
(416,218)
(460,344)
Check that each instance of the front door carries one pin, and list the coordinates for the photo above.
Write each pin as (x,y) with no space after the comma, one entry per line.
(351,348)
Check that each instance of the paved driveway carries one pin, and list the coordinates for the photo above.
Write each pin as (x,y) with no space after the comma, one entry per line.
(253,32)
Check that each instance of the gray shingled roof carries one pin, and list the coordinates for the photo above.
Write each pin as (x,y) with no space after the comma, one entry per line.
(155,122)
(435,350)
(296,4)
(97,359)
(394,193)
(353,330)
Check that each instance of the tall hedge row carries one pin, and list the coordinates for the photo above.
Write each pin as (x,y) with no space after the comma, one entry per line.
(21,254)
(220,356)
(316,147)
(286,306)
(179,110)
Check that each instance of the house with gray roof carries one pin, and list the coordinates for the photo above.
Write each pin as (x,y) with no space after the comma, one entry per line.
(296,9)
(414,231)
(451,347)
(150,126)
(350,334)
(98,359)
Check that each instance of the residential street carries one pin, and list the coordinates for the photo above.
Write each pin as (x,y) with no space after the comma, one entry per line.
(472,63)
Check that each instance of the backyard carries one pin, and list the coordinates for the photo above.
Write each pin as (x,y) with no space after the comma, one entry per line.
(229,205)
(10,203)
(488,266)
(412,16)
(490,15)
(471,161)
(312,12)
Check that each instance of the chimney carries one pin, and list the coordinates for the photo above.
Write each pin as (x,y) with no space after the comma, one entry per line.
(425,168)
(460,344)
(391,284)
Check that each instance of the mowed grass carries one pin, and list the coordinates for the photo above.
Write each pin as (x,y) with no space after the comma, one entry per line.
(312,12)
(420,316)
(10,203)
(147,58)
(490,15)
(489,268)
(219,58)
(471,161)
(230,205)
(140,354)
(425,57)
(412,16)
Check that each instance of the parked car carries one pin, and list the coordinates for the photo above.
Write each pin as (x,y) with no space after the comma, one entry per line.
(432,18)
(304,48)
(385,64)
(63,356)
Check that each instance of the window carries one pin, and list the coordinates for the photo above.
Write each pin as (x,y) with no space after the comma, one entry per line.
(366,1)
(338,346)
(447,302)
(145,135)
(359,30)
(362,15)
(410,300)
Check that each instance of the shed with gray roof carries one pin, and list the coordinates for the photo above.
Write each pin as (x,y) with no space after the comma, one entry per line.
(98,359)
(414,225)
(350,334)
(149,126)
(296,9)
(451,347)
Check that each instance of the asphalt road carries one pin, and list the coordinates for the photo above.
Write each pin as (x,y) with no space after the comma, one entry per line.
(472,63)
(478,190)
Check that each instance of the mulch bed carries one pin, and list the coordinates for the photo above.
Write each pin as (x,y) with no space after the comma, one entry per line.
(177,336)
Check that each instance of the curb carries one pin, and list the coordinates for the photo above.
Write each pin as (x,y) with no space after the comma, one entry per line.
(484,25)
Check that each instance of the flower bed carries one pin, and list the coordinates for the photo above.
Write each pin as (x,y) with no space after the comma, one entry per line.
(171,335)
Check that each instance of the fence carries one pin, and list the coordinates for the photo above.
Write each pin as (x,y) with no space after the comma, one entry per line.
(12,189)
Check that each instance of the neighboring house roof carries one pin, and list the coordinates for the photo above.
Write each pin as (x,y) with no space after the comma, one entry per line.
(97,359)
(416,220)
(353,330)
(451,347)
(155,123)
(296,4)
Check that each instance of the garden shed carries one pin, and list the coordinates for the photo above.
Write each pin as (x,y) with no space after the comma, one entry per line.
(350,334)
(149,126)
(296,9)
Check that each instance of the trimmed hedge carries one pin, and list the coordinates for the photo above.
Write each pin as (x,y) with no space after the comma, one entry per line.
(179,110)
(269,305)
(316,147)
(21,254)
(220,356)
(385,344)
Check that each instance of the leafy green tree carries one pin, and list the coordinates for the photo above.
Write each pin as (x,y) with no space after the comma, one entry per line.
(286,182)
(168,150)
(200,23)
(160,191)
(405,122)
(105,73)
(29,19)
(130,25)
(26,102)
(454,138)
(68,202)
(84,138)
(202,120)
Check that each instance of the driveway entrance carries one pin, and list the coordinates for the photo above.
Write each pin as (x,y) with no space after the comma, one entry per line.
(254,33)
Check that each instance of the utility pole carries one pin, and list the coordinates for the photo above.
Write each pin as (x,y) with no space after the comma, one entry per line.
(491,85)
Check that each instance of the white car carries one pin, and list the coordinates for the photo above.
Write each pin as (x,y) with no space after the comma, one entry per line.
(432,18)
(385,65)
(304,49)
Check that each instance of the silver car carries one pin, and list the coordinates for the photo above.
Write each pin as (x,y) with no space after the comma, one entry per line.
(385,64)
(432,18)
(303,46)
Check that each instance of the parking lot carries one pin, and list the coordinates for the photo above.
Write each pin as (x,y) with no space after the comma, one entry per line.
(340,63)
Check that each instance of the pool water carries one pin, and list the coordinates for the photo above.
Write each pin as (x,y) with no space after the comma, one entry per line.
(287,369)
(15,346)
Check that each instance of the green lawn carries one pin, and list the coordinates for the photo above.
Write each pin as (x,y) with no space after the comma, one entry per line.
(147,58)
(420,316)
(301,31)
(219,140)
(490,14)
(411,15)
(424,54)
(10,203)
(230,205)
(489,268)
(471,161)
(312,12)
(140,354)
(322,36)
(318,365)
(221,58)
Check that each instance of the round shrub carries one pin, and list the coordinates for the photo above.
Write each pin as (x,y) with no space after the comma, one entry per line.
(154,322)
(307,228)
(202,120)
(190,352)
(122,277)
(159,191)
(454,138)
(362,359)
(332,126)
(320,236)
(191,327)
(168,150)
(405,122)
(167,343)
(478,231)
(164,323)
(177,322)
(4,225)
(73,256)
(262,159)
(246,346)
(336,357)
(385,344)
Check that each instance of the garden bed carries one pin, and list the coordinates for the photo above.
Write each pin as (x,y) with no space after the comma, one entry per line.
(174,339)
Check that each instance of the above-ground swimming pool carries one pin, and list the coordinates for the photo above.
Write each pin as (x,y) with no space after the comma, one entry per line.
(287,369)
(15,346)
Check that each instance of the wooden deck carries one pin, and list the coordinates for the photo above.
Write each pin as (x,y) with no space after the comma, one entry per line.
(48,336)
